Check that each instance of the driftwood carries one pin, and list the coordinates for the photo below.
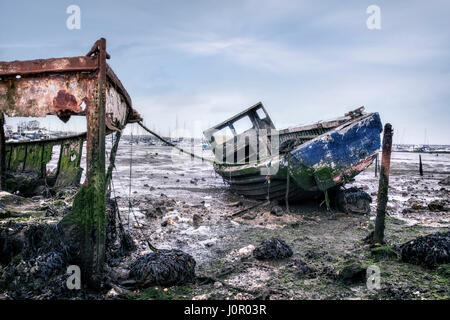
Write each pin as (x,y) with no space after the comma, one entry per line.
(241,212)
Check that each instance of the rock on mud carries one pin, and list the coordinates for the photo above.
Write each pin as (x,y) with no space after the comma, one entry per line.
(277,211)
(352,272)
(429,251)
(353,200)
(445,182)
(303,269)
(438,205)
(164,268)
(272,249)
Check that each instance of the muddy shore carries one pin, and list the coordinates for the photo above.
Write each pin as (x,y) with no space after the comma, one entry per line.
(180,203)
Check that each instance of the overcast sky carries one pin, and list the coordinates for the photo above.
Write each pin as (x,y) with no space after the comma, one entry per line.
(203,61)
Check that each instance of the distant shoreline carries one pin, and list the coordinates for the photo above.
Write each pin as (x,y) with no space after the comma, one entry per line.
(443,151)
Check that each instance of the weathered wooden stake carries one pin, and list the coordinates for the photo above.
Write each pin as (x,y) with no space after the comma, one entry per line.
(2,151)
(376,166)
(378,235)
(287,192)
(420,165)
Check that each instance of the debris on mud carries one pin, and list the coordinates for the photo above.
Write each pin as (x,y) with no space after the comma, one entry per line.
(353,200)
(276,210)
(445,182)
(197,220)
(156,208)
(384,252)
(272,249)
(39,270)
(240,254)
(165,268)
(428,251)
(303,269)
(444,270)
(438,205)
(35,252)
(352,272)
(119,242)
(414,206)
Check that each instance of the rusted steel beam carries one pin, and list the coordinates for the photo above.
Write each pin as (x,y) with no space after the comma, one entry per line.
(48,65)
(378,236)
(96,48)
(60,86)
(50,94)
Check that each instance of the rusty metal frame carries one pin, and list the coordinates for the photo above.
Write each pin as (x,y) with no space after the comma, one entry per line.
(65,87)
(60,86)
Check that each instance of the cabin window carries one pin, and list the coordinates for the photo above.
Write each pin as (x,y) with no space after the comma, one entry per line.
(223,135)
(243,125)
(261,114)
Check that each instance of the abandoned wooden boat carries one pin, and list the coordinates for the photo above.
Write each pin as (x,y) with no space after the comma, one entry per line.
(262,163)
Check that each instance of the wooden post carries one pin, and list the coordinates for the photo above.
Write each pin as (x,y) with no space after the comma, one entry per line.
(420,165)
(376,166)
(192,149)
(2,152)
(287,192)
(378,236)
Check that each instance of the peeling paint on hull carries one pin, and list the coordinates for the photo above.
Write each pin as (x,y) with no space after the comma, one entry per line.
(327,161)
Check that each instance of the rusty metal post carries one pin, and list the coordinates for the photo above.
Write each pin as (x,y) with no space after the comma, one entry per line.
(420,165)
(378,236)
(2,151)
(88,214)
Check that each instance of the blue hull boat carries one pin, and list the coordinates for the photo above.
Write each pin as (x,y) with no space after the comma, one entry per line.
(300,161)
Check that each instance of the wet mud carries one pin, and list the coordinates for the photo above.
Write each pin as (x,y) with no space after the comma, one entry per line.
(173,202)
(181,203)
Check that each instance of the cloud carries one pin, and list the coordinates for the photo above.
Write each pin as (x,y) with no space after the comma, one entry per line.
(267,55)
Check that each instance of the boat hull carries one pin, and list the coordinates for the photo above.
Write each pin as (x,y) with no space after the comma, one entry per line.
(328,161)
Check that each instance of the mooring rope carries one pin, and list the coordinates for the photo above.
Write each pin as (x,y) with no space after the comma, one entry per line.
(197,156)
(174,145)
(130,206)
(130,173)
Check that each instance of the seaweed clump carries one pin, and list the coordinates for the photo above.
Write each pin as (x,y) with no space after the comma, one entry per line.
(39,271)
(428,251)
(353,200)
(164,267)
(272,249)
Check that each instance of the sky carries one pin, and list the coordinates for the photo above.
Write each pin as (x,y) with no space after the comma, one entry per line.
(198,62)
